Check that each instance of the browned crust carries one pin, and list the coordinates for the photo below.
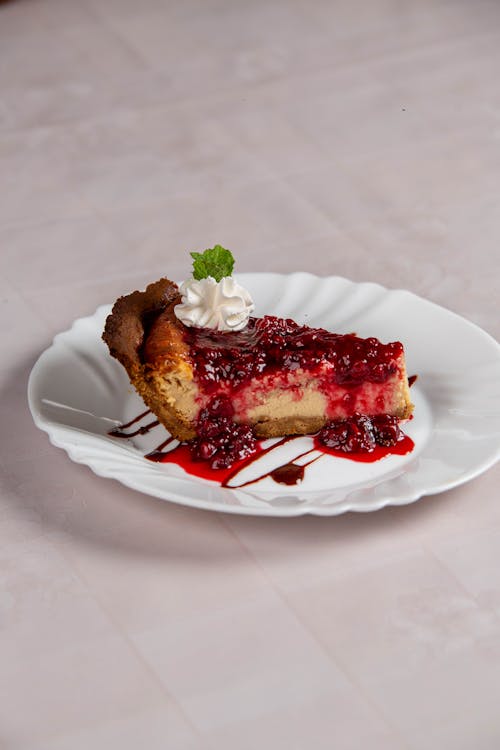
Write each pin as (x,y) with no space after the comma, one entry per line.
(288,426)
(173,419)
(404,409)
(124,334)
(124,329)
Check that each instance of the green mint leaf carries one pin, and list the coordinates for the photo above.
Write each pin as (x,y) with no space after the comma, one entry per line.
(216,262)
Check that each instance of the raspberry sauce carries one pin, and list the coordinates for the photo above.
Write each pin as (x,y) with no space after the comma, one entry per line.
(272,345)
(223,448)
(289,473)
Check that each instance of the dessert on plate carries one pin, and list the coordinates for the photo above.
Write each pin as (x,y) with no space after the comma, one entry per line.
(220,379)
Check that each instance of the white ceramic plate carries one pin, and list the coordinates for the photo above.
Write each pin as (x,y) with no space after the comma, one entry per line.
(77,393)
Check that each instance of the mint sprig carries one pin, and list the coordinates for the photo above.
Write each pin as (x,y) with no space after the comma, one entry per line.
(216,262)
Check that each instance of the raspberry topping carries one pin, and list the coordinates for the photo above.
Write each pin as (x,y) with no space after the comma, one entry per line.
(361,434)
(271,344)
(220,441)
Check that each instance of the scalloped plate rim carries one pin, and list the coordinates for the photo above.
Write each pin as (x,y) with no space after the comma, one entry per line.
(341,506)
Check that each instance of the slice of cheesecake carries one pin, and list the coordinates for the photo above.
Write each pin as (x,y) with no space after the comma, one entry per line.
(275,375)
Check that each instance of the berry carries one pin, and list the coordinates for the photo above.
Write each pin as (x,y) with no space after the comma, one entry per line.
(221,441)
(270,344)
(386,429)
(360,434)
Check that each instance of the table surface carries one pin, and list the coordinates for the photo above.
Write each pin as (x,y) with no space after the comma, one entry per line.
(352,138)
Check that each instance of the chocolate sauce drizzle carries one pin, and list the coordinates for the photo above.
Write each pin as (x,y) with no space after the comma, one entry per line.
(288,474)
(133,421)
(158,454)
(118,431)
(291,473)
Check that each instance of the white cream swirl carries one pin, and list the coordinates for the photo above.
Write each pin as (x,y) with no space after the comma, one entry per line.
(222,305)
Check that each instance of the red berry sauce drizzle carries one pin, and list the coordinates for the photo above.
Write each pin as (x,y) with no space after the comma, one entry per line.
(223,448)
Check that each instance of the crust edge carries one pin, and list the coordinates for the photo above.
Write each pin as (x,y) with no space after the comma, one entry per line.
(124,334)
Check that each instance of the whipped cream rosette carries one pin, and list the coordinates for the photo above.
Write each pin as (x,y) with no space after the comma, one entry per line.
(222,305)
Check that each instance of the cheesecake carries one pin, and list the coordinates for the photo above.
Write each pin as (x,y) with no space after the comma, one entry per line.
(272,377)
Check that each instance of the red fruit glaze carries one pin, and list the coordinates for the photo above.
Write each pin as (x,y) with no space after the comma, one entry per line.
(219,440)
(271,345)
(404,446)
(364,438)
(182,456)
